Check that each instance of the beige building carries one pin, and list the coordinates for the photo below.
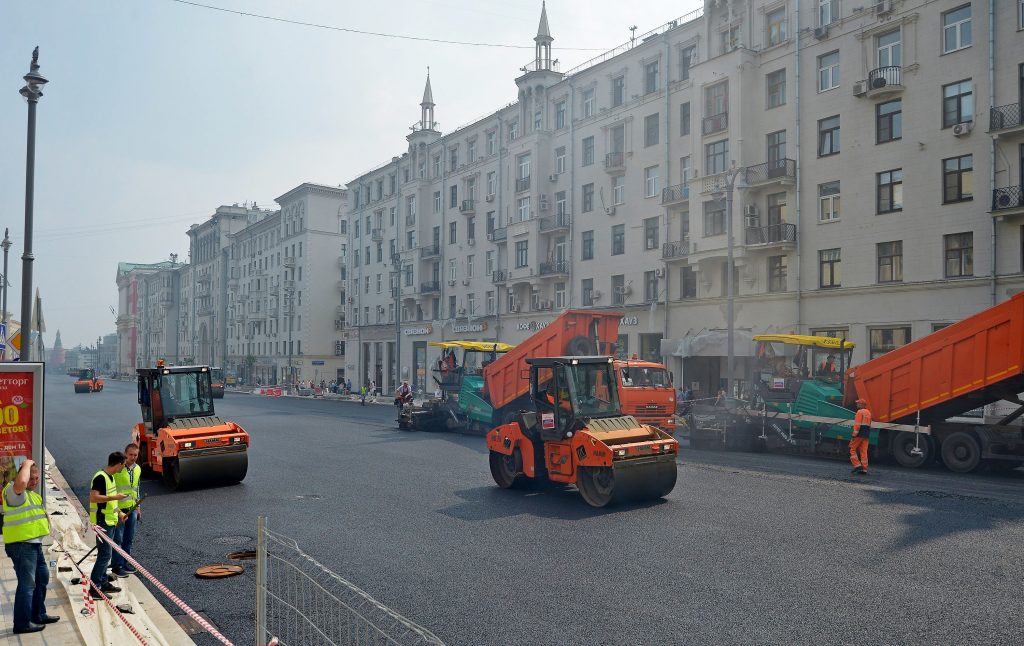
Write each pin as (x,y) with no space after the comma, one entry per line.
(876,153)
(147,314)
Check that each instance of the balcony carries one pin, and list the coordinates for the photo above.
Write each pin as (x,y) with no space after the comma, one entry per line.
(773,235)
(522,184)
(554,268)
(1006,119)
(1008,201)
(430,251)
(675,194)
(377,235)
(498,235)
(615,162)
(430,287)
(339,310)
(555,223)
(675,251)
(468,207)
(715,123)
(782,171)
(885,82)
(499,277)
(713,183)
(543,65)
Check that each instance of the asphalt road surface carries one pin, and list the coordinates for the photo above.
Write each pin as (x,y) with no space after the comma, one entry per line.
(748,549)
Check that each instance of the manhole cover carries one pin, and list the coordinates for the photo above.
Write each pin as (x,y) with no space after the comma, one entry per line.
(309,496)
(232,540)
(219,571)
(242,555)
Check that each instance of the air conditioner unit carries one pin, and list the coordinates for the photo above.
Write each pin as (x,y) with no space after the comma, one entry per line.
(659,272)
(490,237)
(752,221)
(462,311)
(883,7)
(860,88)
(451,283)
(1004,200)
(821,33)
(750,210)
(595,295)
(514,308)
(610,210)
(489,198)
(878,83)
(625,290)
(465,282)
(961,129)
(553,177)
(470,241)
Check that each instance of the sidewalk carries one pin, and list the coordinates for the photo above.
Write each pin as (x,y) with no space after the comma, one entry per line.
(66,599)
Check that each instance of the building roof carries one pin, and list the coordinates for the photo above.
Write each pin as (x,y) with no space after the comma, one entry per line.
(308,187)
(428,96)
(542,30)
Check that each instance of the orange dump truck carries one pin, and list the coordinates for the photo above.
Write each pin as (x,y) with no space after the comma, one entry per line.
(975,362)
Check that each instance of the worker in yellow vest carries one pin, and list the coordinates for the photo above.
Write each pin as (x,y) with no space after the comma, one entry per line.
(25,526)
(127,481)
(104,512)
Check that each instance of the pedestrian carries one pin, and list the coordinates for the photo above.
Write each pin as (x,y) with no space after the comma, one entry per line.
(127,481)
(373,388)
(25,526)
(362,395)
(104,512)
(861,438)
(348,387)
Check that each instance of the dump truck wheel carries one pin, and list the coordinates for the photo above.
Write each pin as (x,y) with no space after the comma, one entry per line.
(960,452)
(172,473)
(596,485)
(903,444)
(507,469)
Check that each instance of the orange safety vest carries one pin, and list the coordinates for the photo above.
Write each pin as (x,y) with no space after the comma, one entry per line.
(862,421)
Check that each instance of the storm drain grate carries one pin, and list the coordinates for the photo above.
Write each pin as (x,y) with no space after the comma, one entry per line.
(232,540)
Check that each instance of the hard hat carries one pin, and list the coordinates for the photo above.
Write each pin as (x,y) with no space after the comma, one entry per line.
(862,401)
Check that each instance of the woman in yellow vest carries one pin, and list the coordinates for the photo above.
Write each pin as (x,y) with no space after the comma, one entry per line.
(25,525)
(127,481)
(104,512)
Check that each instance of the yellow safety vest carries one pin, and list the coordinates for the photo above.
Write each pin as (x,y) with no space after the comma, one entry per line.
(127,481)
(27,521)
(109,511)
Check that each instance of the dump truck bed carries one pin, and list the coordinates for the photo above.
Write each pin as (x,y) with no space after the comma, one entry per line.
(975,362)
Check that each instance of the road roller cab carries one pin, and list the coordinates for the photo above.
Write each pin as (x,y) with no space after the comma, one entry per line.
(180,435)
(578,435)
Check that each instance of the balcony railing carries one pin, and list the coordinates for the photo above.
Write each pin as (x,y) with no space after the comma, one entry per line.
(615,161)
(771,234)
(522,184)
(555,222)
(432,250)
(554,267)
(675,250)
(885,77)
(1009,197)
(377,235)
(542,65)
(1005,116)
(430,287)
(673,194)
(467,206)
(498,235)
(779,169)
(715,123)
(499,277)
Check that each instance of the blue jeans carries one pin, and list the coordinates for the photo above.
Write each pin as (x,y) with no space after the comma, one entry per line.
(99,571)
(33,577)
(124,536)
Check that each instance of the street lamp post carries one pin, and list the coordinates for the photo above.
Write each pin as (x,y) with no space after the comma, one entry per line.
(289,290)
(396,263)
(6,244)
(730,300)
(32,92)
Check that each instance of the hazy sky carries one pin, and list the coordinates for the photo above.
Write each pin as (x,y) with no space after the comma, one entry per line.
(158,111)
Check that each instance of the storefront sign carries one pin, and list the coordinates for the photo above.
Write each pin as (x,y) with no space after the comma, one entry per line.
(318,362)
(470,327)
(629,320)
(418,331)
(21,416)
(527,326)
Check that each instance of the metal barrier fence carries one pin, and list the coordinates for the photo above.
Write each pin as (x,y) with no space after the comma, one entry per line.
(299,602)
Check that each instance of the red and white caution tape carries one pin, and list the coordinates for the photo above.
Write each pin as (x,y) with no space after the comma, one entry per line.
(160,586)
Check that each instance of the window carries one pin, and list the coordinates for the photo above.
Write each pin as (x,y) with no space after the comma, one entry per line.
(651,130)
(489,263)
(1020,15)
(560,115)
(453,230)
(956,29)
(777,273)
(828,72)
(522,253)
(829,268)
(828,136)
(729,39)
(890,261)
(828,201)
(587,246)
(650,286)
(490,302)
(651,181)
(588,151)
(685,170)
(538,120)
(775,145)
(587,291)
(435,165)
(828,11)
(588,198)
(775,86)
(453,196)
(687,282)
(890,191)
(651,77)
(453,158)
(618,239)
(492,143)
(560,159)
(957,179)
(471,304)
(714,218)
(523,167)
(889,49)
(959,254)
(618,91)
(885,339)
(523,209)
(492,183)
(650,233)
(716,157)
(687,57)
(684,119)
(957,103)
(775,23)
(470,228)
(716,99)
(618,289)
(513,131)
(561,206)
(889,121)
(588,103)
(452,304)
(618,189)
(471,151)
(453,269)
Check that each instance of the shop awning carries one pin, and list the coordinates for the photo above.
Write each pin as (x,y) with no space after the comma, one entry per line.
(709,343)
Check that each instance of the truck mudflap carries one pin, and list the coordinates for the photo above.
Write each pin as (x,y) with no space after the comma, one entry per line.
(206,467)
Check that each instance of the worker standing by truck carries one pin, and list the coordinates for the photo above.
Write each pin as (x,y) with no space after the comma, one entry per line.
(861,438)
(104,512)
(127,481)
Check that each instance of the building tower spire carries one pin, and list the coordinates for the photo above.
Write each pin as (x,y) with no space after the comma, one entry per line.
(543,40)
(427,106)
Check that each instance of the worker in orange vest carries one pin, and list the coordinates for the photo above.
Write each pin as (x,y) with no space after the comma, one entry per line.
(861,437)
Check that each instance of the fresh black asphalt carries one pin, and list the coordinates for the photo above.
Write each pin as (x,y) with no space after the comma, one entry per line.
(748,549)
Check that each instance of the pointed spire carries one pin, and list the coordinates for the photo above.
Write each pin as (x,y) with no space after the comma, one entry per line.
(428,96)
(542,30)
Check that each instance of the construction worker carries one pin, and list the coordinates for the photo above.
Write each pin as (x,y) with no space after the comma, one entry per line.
(861,436)
(127,481)
(25,526)
(104,512)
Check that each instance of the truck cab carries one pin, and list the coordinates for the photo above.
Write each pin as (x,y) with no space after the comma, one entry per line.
(646,392)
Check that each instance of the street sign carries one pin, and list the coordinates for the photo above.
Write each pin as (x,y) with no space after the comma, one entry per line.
(3,336)
(16,340)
